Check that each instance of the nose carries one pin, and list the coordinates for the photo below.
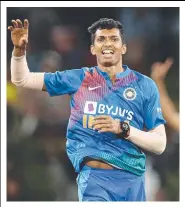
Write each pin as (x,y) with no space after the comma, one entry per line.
(107,42)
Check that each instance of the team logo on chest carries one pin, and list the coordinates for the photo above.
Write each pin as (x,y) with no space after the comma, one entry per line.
(130,94)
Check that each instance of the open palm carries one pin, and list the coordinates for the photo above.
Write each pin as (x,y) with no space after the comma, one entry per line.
(19,33)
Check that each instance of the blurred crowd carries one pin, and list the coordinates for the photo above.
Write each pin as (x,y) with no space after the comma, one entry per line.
(38,168)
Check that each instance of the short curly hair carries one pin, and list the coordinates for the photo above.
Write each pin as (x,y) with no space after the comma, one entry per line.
(105,23)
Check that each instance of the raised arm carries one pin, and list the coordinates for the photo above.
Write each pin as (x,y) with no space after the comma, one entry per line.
(20,74)
(159,72)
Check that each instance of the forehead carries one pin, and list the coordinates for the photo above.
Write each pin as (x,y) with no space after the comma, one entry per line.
(108,32)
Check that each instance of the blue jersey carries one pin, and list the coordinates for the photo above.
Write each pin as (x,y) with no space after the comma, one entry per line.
(133,97)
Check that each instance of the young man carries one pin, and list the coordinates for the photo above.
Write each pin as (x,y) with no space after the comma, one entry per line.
(110,106)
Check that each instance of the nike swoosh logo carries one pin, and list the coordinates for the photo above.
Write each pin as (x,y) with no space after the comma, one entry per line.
(93,88)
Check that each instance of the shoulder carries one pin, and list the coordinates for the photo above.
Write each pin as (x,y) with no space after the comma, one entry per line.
(74,71)
(143,80)
(89,70)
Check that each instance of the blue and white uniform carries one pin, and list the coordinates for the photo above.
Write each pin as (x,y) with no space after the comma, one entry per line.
(133,97)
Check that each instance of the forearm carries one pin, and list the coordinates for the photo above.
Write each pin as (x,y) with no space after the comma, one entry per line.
(20,74)
(153,141)
(168,108)
(164,96)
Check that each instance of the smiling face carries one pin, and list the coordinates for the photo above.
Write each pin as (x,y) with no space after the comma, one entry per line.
(108,47)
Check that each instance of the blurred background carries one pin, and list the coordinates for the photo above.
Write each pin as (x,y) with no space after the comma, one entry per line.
(38,168)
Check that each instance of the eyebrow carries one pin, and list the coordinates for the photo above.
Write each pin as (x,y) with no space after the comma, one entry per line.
(108,36)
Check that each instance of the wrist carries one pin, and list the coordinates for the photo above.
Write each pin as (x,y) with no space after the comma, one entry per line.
(18,52)
(158,79)
(124,130)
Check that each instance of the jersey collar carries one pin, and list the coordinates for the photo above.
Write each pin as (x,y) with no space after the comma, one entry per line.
(118,75)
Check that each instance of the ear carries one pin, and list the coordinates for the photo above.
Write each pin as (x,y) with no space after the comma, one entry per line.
(124,49)
(93,50)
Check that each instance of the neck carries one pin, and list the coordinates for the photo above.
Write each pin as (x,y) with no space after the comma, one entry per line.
(112,70)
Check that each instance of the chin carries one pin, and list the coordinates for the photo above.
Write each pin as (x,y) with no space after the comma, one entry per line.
(108,64)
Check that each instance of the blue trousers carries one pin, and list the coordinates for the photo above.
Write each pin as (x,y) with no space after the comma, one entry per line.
(109,185)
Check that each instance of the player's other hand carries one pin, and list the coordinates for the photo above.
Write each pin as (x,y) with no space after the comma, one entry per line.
(104,123)
(19,33)
(160,69)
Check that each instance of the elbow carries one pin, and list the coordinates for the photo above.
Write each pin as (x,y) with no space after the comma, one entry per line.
(18,83)
(14,82)
(160,149)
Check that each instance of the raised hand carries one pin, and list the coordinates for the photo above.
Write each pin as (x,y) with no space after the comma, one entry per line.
(19,33)
(160,69)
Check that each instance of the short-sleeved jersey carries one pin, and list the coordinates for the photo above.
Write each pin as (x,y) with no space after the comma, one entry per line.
(133,97)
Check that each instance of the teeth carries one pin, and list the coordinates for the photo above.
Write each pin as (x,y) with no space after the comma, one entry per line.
(107,52)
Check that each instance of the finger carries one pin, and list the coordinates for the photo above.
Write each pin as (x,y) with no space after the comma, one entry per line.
(100,126)
(14,23)
(25,40)
(101,117)
(105,130)
(10,28)
(101,121)
(19,23)
(26,24)
(167,65)
(168,62)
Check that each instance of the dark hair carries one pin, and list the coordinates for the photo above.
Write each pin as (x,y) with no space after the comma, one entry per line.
(105,23)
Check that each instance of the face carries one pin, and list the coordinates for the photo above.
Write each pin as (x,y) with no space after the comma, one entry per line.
(108,47)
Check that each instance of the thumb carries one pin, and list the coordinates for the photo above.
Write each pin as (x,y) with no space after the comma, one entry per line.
(168,62)
(25,41)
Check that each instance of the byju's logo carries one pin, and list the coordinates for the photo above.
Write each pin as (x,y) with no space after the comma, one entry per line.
(90,107)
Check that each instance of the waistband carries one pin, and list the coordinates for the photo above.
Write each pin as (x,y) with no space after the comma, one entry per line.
(110,172)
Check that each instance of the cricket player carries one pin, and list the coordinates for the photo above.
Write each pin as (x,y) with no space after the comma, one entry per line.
(111,105)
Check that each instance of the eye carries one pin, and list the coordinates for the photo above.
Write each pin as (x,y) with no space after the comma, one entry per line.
(100,39)
(115,39)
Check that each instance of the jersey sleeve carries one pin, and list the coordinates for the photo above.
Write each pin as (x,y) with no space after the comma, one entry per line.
(65,82)
(152,108)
